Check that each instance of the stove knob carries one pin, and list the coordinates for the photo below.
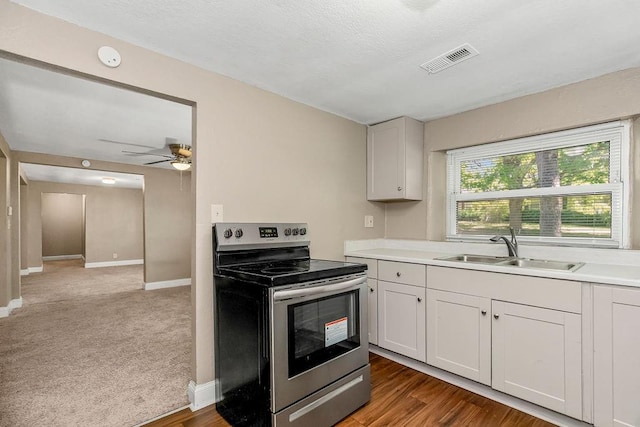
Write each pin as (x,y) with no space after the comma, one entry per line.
(239,233)
(287,232)
(294,231)
(228,233)
(303,231)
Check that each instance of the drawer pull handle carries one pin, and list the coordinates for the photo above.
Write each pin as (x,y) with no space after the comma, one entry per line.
(370,289)
(399,188)
(484,312)
(419,299)
(496,316)
(398,274)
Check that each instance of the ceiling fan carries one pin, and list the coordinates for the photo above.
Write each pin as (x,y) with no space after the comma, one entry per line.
(180,157)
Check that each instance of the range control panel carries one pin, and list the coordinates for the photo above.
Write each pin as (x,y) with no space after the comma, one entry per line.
(241,235)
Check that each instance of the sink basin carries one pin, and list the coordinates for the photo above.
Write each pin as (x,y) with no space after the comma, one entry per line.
(478,259)
(514,262)
(541,263)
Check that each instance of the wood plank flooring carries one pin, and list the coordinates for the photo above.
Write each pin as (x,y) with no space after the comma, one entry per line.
(400,396)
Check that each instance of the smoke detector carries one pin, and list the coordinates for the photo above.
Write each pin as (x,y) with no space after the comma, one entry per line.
(451,58)
(109,56)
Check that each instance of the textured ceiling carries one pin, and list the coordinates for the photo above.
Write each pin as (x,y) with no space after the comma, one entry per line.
(47,112)
(360,59)
(80,176)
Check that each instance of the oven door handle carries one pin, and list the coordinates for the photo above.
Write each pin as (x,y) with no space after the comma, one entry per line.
(315,290)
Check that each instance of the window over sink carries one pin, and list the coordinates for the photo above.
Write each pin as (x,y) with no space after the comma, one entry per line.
(564,188)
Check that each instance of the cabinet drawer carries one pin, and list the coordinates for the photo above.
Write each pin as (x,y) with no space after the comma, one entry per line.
(372,265)
(402,272)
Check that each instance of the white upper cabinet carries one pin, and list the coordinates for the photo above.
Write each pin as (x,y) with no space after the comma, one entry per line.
(395,160)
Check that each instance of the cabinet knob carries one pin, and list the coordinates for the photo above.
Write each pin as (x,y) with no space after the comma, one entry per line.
(419,299)
(495,316)
(370,289)
(399,188)
(398,274)
(484,312)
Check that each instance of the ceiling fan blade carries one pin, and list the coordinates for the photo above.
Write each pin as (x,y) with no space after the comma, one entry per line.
(133,153)
(158,161)
(126,143)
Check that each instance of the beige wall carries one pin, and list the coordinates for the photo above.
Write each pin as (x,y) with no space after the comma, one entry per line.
(265,158)
(9,226)
(24,248)
(168,213)
(62,224)
(5,238)
(113,220)
(167,220)
(606,98)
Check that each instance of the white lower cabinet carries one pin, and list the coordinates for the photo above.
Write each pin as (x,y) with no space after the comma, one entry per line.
(401,319)
(372,283)
(459,334)
(373,311)
(537,356)
(487,327)
(616,365)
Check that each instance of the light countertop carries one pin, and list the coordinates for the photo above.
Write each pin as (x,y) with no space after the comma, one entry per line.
(606,266)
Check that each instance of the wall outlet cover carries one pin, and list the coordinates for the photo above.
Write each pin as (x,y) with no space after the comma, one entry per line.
(368,221)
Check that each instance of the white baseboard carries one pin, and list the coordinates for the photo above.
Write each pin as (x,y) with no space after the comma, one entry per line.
(35,269)
(167,284)
(61,257)
(113,263)
(24,272)
(161,416)
(13,304)
(202,395)
(481,389)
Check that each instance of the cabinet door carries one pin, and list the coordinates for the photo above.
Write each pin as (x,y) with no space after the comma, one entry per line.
(616,367)
(385,160)
(537,356)
(459,331)
(401,319)
(373,311)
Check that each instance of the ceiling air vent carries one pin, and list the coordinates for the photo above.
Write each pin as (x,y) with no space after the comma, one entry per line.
(450,58)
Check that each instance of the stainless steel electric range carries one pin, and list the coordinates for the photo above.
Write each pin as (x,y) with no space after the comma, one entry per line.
(290,331)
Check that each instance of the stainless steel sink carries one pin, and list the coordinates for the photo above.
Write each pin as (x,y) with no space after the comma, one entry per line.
(541,263)
(477,259)
(514,262)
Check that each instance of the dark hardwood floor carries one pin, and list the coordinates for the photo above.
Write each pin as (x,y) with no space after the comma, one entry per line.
(400,396)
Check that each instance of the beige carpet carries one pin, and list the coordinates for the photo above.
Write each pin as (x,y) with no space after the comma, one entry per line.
(89,347)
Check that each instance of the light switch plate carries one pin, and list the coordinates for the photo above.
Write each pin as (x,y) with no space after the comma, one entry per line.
(217,213)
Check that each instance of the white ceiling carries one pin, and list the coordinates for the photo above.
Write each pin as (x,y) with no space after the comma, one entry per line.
(80,176)
(48,112)
(360,59)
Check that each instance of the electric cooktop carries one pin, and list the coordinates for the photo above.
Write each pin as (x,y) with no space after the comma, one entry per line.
(291,271)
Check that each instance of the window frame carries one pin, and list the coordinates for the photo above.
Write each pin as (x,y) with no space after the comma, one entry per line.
(618,135)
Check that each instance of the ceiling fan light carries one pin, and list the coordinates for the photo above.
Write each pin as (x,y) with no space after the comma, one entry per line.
(181,164)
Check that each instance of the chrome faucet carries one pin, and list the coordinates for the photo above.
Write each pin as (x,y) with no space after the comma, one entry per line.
(512,246)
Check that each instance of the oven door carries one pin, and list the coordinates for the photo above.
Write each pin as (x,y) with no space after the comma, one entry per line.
(318,335)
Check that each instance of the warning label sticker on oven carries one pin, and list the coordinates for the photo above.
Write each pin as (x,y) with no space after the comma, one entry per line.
(335,331)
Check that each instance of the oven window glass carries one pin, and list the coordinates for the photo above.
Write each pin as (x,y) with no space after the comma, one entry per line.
(322,329)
